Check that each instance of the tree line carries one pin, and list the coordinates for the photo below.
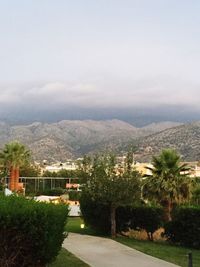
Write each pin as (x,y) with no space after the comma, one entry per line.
(168,185)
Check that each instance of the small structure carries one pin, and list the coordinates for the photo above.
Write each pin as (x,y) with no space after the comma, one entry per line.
(48,199)
(73,186)
(8,192)
(74,207)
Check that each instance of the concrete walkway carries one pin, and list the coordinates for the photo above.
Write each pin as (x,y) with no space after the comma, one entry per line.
(103,252)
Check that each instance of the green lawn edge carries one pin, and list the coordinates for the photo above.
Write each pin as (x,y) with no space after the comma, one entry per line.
(170,253)
(66,259)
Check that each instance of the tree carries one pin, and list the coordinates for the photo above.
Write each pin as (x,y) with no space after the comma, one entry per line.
(196,195)
(14,156)
(30,170)
(49,174)
(108,187)
(84,169)
(169,183)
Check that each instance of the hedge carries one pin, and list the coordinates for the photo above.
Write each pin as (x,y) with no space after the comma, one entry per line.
(143,217)
(31,233)
(74,195)
(97,216)
(184,229)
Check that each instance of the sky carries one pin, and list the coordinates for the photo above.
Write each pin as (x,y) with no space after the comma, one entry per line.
(104,59)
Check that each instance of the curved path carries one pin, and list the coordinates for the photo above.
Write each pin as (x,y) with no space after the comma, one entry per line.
(104,252)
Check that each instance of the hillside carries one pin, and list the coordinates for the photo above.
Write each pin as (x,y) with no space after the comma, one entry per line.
(160,126)
(59,141)
(68,139)
(185,138)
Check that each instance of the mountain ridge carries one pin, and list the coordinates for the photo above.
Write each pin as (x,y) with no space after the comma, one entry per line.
(184,138)
(65,139)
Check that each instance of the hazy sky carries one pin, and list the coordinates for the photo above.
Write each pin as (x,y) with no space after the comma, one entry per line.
(99,54)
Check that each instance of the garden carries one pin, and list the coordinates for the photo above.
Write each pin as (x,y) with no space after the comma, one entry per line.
(158,214)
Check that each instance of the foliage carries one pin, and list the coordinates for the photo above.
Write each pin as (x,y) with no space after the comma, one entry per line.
(2,184)
(14,155)
(97,216)
(105,185)
(85,169)
(49,174)
(169,183)
(29,170)
(31,233)
(184,228)
(12,158)
(196,196)
(74,195)
(61,173)
(95,213)
(147,218)
(141,217)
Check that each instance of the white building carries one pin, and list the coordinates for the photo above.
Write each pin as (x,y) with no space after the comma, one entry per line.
(69,166)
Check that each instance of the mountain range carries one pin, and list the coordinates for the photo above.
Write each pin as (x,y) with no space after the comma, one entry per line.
(184,138)
(72,138)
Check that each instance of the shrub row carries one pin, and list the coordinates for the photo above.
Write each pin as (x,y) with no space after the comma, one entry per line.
(184,229)
(143,217)
(97,215)
(31,233)
(74,195)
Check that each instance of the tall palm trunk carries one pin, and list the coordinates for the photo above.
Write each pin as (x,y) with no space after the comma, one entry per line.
(12,179)
(167,211)
(16,178)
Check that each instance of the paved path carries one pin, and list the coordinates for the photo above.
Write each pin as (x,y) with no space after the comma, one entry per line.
(103,252)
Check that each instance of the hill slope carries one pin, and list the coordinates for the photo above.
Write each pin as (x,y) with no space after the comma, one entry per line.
(67,139)
(185,138)
(59,141)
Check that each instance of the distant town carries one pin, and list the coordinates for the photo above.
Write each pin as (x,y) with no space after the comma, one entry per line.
(142,168)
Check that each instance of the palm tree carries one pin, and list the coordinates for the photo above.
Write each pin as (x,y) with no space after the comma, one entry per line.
(169,183)
(13,156)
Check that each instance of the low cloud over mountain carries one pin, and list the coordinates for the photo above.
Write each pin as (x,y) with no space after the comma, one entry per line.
(141,101)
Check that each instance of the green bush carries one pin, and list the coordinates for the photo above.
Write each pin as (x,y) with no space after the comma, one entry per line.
(123,218)
(97,216)
(147,218)
(31,233)
(74,195)
(196,196)
(184,229)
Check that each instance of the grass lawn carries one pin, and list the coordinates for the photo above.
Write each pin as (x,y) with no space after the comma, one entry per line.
(74,226)
(66,259)
(174,254)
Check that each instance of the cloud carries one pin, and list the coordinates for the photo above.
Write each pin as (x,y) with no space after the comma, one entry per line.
(100,93)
